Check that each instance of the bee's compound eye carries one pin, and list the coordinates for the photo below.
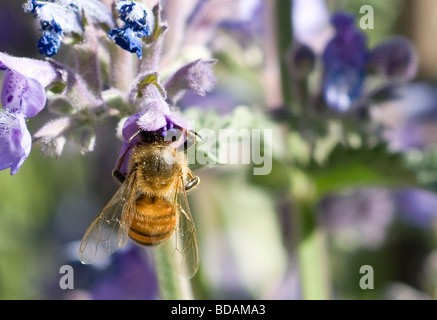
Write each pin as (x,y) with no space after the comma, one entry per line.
(149,136)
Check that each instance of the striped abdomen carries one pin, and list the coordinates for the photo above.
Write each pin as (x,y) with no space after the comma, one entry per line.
(154,221)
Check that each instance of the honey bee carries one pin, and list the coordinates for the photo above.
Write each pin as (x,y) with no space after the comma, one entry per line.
(150,207)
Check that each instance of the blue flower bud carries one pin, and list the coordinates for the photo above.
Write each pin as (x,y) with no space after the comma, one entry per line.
(138,23)
(127,39)
(49,43)
(345,58)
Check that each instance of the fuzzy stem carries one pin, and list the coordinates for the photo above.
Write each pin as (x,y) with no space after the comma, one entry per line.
(121,69)
(88,67)
(311,250)
(310,239)
(172,286)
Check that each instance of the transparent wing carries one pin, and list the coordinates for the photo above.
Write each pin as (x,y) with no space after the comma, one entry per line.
(184,244)
(109,231)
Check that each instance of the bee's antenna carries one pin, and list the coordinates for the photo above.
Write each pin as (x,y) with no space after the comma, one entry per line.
(196,134)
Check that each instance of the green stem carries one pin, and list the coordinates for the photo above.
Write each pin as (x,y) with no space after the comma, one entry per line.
(311,251)
(310,239)
(172,286)
(284,33)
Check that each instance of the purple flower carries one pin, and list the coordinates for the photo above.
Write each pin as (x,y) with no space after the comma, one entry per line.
(345,58)
(417,207)
(20,92)
(396,58)
(15,140)
(23,96)
(361,217)
(130,275)
(196,76)
(410,119)
(155,121)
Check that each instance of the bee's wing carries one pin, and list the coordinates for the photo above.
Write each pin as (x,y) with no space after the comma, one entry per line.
(109,231)
(185,248)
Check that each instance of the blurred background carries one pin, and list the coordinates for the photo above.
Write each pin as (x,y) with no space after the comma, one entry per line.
(244,224)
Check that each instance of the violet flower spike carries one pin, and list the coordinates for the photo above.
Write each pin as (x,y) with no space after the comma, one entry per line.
(345,58)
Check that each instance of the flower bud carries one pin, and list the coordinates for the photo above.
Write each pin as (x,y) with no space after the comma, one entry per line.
(196,76)
(396,58)
(301,61)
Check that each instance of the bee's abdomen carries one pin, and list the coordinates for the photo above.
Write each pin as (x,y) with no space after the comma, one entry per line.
(154,221)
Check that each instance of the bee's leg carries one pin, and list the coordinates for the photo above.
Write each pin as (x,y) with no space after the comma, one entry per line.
(194,181)
(118,175)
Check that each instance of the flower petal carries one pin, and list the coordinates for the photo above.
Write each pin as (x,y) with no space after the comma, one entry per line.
(154,118)
(396,58)
(43,71)
(23,94)
(197,76)
(130,126)
(127,39)
(15,140)
(345,58)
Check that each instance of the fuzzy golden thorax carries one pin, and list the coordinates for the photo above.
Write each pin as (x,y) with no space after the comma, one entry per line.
(159,169)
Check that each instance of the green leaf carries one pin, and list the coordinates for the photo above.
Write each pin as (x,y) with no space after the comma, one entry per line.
(361,167)
(151,78)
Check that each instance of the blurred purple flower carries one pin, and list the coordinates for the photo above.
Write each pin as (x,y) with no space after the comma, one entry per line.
(210,15)
(345,58)
(396,58)
(130,277)
(417,207)
(15,140)
(410,119)
(360,217)
(301,61)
